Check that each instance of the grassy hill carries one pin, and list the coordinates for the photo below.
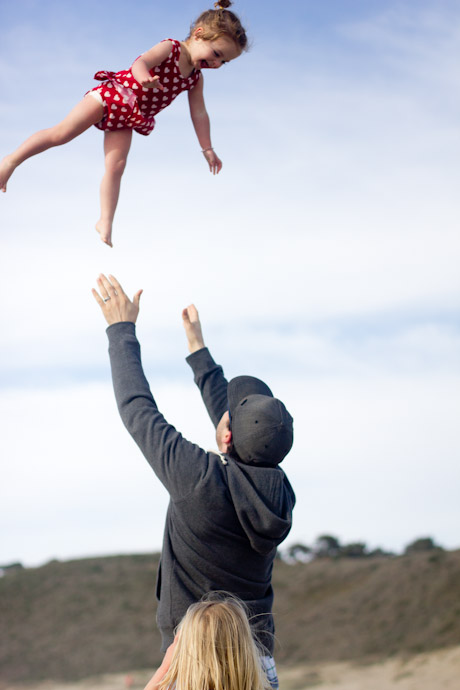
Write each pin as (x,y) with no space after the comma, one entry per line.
(79,618)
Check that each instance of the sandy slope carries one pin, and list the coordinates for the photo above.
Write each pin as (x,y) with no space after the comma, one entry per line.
(429,671)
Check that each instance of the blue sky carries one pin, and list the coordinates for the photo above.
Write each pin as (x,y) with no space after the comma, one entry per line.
(324,258)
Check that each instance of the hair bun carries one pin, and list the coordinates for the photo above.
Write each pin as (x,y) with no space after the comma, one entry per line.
(221,22)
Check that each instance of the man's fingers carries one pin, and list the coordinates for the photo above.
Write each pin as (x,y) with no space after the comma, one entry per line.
(109,287)
(103,285)
(97,297)
(192,313)
(113,282)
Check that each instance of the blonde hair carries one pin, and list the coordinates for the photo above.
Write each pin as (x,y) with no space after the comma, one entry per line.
(221,22)
(216,650)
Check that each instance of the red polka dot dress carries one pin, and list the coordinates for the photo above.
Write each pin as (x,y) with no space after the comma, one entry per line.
(128,105)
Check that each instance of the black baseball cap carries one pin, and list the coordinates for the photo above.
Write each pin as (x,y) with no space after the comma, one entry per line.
(262,428)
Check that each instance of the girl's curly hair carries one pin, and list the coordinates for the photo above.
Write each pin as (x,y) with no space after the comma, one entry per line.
(221,22)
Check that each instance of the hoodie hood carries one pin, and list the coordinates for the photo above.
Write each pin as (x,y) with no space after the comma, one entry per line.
(263,499)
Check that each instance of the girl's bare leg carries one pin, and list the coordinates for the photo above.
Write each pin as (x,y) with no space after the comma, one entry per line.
(116,149)
(86,113)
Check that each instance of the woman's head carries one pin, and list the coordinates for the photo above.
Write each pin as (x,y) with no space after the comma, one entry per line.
(216,649)
(221,22)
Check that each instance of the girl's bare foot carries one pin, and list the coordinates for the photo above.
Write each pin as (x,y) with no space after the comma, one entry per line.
(104,229)
(6,170)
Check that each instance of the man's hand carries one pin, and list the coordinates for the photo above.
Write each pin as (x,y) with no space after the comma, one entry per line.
(192,327)
(115,305)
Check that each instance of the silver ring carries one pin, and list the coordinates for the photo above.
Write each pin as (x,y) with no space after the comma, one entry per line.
(106,299)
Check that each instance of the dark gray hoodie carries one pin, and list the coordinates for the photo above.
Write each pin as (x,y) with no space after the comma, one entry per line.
(225,518)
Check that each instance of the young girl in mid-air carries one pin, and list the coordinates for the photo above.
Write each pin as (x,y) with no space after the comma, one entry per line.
(130,99)
(214,649)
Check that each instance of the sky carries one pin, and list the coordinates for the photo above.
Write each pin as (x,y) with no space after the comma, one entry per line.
(323,259)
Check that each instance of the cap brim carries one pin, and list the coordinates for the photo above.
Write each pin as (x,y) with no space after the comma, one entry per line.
(242,386)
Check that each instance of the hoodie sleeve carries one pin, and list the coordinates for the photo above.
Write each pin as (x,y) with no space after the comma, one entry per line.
(210,379)
(178,464)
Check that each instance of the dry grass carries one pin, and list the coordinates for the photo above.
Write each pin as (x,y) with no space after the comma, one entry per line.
(352,608)
(68,621)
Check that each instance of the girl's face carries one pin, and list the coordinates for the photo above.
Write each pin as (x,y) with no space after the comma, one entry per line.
(211,54)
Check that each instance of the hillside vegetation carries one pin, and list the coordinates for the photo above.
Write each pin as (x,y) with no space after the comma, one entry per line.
(71,620)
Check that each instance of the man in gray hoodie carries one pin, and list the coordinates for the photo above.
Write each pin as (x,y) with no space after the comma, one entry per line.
(228,510)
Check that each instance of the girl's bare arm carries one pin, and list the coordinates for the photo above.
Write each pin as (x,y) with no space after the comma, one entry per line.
(140,69)
(202,126)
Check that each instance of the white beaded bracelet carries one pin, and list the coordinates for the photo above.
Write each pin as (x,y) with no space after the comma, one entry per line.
(209,149)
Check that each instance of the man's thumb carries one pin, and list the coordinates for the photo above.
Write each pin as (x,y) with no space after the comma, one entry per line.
(137,297)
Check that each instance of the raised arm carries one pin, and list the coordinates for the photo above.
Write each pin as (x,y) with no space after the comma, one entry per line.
(202,125)
(208,376)
(178,463)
